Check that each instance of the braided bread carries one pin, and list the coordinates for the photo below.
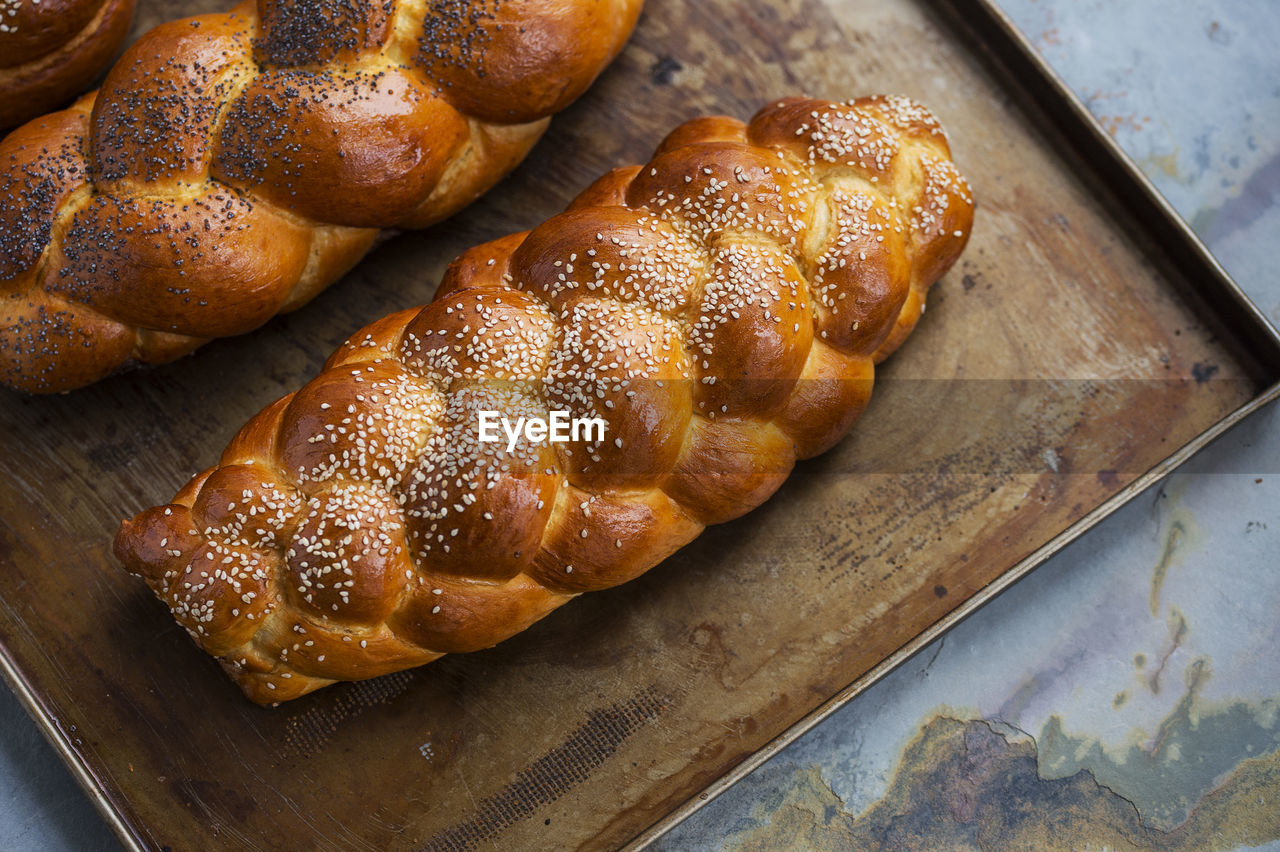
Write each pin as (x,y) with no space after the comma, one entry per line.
(719,308)
(51,50)
(233,165)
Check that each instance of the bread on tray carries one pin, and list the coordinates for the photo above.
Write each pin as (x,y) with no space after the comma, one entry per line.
(719,310)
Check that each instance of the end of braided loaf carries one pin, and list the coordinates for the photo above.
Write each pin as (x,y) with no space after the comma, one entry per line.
(233,165)
(721,308)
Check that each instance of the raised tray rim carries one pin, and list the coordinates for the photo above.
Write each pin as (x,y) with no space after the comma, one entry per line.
(989,29)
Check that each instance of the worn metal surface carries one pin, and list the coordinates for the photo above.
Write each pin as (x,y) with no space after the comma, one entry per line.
(1059,360)
(1125,695)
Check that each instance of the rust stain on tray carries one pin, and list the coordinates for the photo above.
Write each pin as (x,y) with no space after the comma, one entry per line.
(566,766)
(310,730)
(1063,371)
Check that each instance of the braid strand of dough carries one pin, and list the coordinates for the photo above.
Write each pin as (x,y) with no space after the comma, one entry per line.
(721,308)
(51,51)
(233,165)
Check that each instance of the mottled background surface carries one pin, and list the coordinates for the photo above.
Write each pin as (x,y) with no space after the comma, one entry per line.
(1127,694)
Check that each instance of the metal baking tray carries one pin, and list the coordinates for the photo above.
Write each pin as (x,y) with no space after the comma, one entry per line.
(1085,345)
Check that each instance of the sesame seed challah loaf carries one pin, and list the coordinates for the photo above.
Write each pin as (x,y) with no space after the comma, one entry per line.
(233,165)
(51,51)
(719,308)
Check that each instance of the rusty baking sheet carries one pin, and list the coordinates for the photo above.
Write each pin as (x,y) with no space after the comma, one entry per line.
(1084,344)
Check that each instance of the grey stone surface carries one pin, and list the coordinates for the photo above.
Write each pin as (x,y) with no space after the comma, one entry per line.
(41,806)
(1191,89)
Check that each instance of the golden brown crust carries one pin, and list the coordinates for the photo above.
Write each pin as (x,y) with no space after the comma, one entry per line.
(233,165)
(721,308)
(51,51)
(549,62)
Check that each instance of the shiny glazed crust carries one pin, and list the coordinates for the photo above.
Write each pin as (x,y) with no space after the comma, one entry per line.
(51,51)
(233,165)
(721,307)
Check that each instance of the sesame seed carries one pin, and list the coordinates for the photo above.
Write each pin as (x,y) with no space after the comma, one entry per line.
(675,295)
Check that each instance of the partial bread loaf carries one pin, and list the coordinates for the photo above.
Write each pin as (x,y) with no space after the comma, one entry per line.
(721,308)
(51,51)
(233,165)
